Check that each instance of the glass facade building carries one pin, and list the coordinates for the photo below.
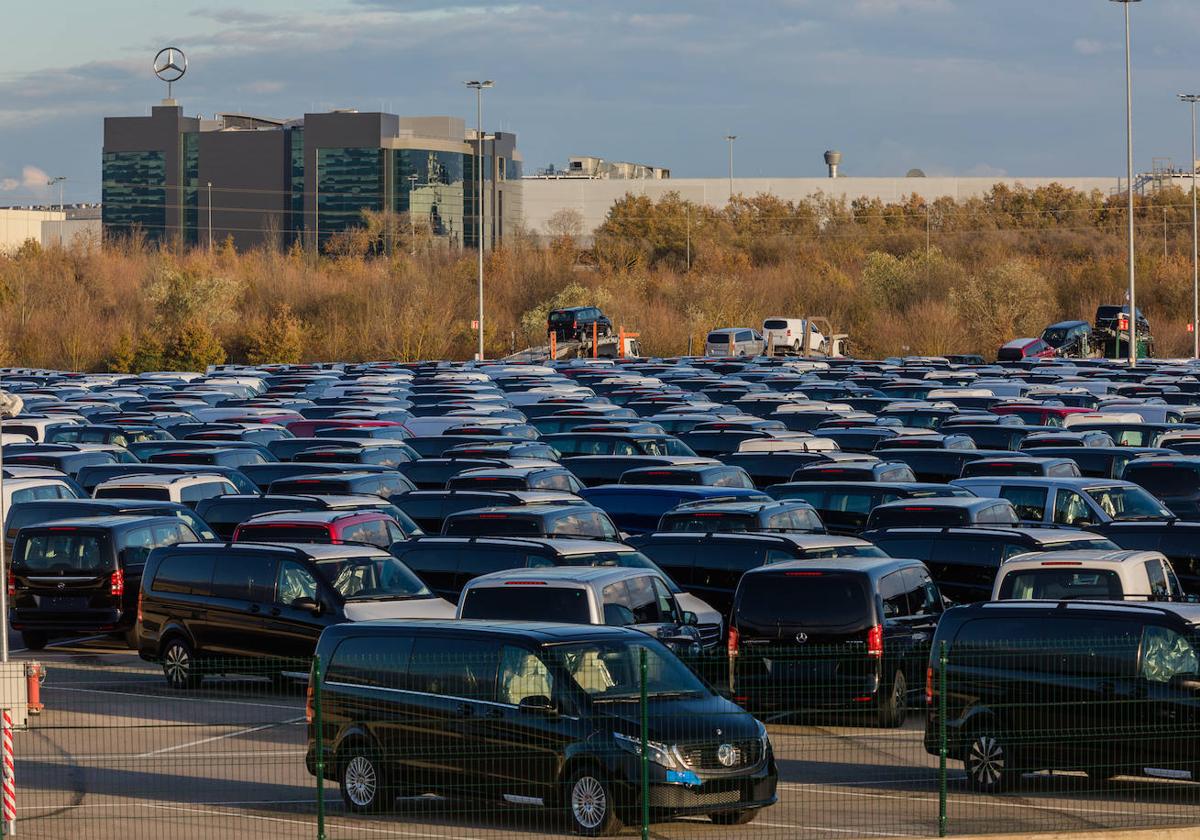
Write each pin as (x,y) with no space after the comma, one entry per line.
(303,181)
(134,193)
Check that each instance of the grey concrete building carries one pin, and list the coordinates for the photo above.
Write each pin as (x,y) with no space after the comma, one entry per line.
(258,180)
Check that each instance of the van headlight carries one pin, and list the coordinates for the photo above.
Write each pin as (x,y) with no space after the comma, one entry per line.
(762,734)
(657,752)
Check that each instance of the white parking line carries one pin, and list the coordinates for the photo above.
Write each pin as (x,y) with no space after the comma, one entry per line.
(236,734)
(171,697)
(357,828)
(64,643)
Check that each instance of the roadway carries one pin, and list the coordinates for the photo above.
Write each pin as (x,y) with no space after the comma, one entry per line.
(116,755)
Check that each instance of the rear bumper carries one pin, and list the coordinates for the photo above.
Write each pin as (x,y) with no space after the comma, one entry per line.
(83,621)
(800,686)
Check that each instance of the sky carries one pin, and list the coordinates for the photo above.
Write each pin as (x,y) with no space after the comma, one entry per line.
(955,87)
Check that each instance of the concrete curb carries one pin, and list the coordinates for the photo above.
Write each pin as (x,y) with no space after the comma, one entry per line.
(1182,833)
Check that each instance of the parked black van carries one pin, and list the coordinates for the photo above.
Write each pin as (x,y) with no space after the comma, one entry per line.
(43,511)
(1107,688)
(532,714)
(82,575)
(259,607)
(833,634)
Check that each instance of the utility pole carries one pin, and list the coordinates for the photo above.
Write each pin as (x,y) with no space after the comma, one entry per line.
(1132,293)
(210,238)
(479,87)
(1192,99)
(731,138)
(412,220)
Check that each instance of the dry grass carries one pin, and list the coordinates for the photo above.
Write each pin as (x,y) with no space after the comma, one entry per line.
(995,268)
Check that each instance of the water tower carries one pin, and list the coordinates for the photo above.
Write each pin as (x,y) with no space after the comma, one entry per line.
(832,159)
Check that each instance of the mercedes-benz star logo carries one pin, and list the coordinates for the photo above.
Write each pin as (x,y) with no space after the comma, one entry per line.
(170,64)
(801,638)
(727,755)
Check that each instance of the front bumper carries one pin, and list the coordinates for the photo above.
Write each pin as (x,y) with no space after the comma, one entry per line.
(675,793)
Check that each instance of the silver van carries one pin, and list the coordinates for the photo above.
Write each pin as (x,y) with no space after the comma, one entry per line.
(617,597)
(733,341)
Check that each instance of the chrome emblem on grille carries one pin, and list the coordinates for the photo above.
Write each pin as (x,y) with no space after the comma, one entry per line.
(727,755)
(801,638)
(62,586)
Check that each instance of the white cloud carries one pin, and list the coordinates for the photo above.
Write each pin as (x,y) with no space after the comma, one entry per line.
(32,178)
(1089,46)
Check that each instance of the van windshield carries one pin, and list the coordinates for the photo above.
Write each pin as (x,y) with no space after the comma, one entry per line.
(803,598)
(527,603)
(620,559)
(67,552)
(610,671)
(1128,503)
(372,578)
(1061,585)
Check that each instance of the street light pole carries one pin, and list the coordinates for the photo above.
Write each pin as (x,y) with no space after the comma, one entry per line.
(731,138)
(478,87)
(59,179)
(1132,294)
(412,220)
(210,239)
(1192,99)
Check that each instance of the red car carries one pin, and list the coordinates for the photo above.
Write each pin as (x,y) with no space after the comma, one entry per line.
(322,526)
(1033,414)
(1024,349)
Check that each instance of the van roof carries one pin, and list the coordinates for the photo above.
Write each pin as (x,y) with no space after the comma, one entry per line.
(1189,613)
(566,547)
(317,551)
(872,566)
(542,632)
(1096,558)
(561,574)
(165,480)
(117,522)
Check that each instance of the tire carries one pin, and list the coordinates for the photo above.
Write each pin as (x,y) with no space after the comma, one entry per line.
(34,639)
(179,664)
(796,347)
(893,709)
(734,817)
(130,637)
(364,785)
(988,762)
(590,805)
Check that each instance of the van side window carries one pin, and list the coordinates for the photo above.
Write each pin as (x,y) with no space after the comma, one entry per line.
(246,578)
(523,675)
(454,667)
(1166,654)
(184,574)
(923,597)
(1030,502)
(375,662)
(1071,509)
(1159,590)
(892,591)
(295,581)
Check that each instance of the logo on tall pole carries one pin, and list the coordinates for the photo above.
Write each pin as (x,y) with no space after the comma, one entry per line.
(169,65)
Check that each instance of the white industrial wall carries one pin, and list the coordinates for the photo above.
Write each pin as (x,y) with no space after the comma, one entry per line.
(542,198)
(72,232)
(16,226)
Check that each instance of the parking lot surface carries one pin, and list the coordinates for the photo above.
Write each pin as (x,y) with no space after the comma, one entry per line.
(118,755)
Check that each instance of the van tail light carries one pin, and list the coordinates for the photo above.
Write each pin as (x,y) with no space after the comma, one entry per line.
(875,641)
(116,583)
(12,585)
(309,714)
(929,686)
(732,647)
(139,613)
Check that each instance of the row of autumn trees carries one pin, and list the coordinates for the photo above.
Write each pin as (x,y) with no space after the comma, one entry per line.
(907,277)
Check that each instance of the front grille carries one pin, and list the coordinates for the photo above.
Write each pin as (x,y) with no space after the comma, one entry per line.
(705,757)
(710,634)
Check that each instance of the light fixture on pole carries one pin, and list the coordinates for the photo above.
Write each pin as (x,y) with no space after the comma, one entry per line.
(59,179)
(479,87)
(412,220)
(210,239)
(1193,98)
(1132,293)
(731,138)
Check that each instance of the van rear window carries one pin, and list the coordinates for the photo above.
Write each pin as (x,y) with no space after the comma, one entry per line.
(284,533)
(808,599)
(157,494)
(917,515)
(718,338)
(67,552)
(1165,480)
(491,526)
(774,325)
(1062,584)
(527,603)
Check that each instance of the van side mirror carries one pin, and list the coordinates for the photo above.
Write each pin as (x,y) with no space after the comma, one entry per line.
(538,704)
(690,619)
(308,605)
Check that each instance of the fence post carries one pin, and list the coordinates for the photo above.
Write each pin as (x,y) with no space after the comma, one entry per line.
(645,727)
(10,777)
(318,744)
(942,750)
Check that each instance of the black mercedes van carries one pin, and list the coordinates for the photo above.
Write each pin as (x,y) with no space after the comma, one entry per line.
(531,714)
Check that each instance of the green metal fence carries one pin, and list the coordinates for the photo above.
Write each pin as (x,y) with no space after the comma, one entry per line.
(1091,733)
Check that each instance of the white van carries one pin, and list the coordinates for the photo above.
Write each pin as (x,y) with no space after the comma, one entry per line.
(1091,575)
(787,335)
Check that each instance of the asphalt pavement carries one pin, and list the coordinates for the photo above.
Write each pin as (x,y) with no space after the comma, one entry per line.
(117,755)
